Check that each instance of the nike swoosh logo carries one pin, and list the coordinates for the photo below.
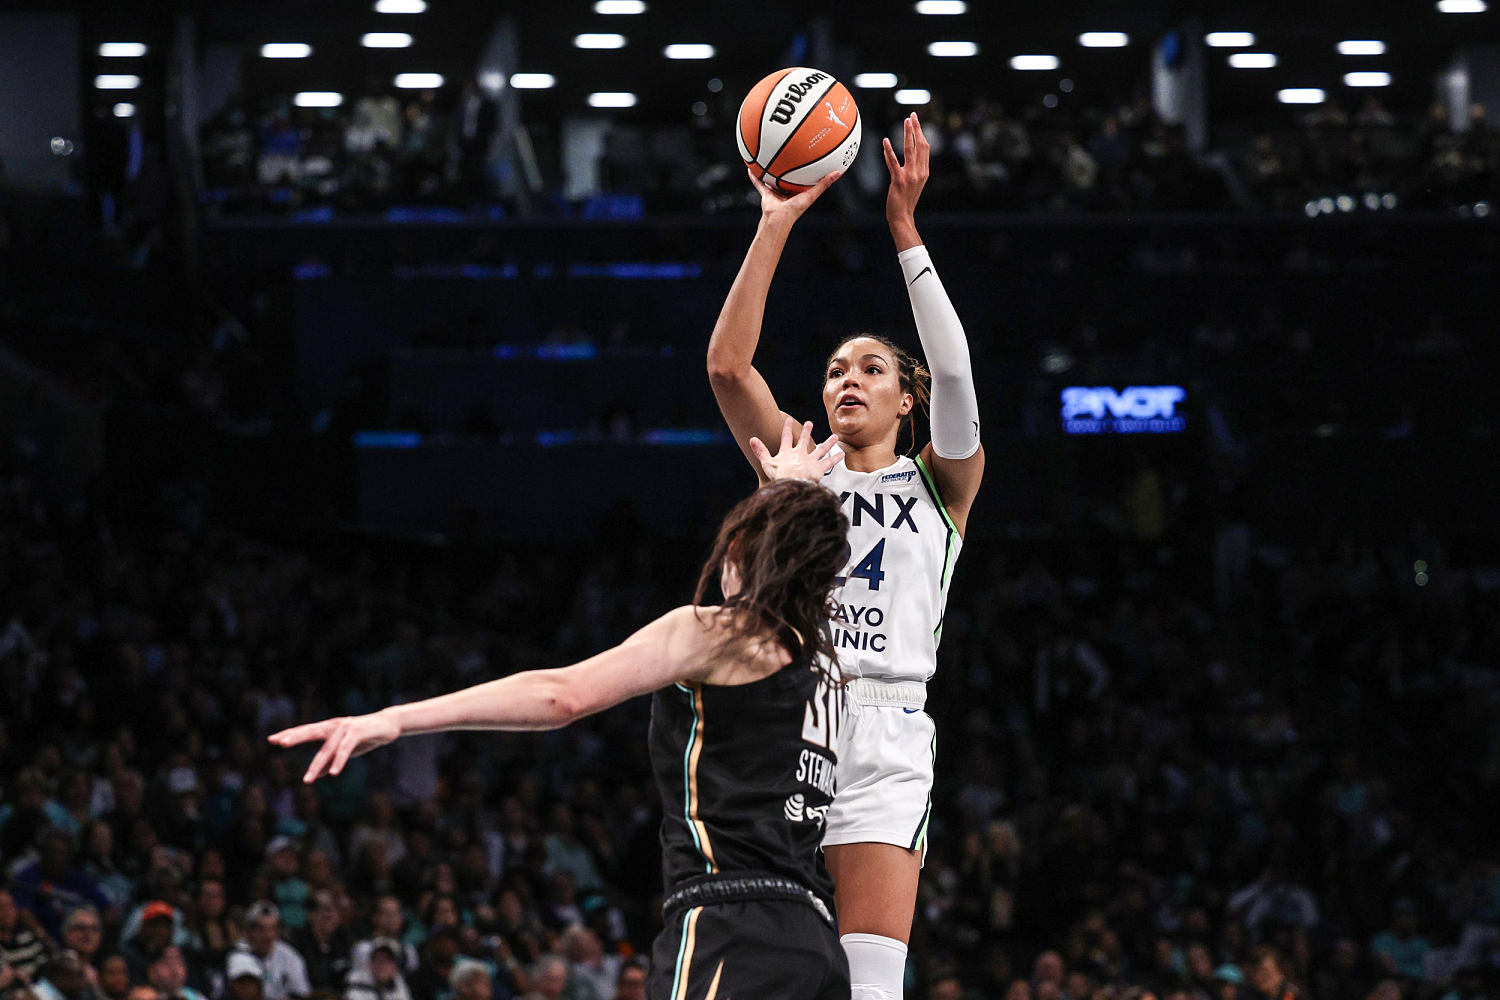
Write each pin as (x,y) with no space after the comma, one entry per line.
(925,270)
(911,711)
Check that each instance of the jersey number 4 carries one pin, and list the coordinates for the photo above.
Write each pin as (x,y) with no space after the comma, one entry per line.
(869,568)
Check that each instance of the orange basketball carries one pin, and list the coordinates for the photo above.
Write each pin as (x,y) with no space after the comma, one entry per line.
(797,125)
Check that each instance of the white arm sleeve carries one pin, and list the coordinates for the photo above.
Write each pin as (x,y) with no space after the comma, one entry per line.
(955,407)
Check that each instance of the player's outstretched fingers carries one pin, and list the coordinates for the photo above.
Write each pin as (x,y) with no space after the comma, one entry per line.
(787,433)
(891,163)
(346,746)
(319,765)
(824,449)
(760,451)
(805,439)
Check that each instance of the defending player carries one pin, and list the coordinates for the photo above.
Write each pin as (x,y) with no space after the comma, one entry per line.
(907,521)
(744,726)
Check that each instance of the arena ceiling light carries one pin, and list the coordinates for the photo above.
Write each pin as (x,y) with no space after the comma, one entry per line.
(286,50)
(689,50)
(1301,95)
(955,50)
(532,81)
(612,99)
(318,99)
(599,40)
(1367,79)
(122,50)
(620,7)
(1031,63)
(1229,39)
(1462,6)
(1361,47)
(1104,39)
(400,6)
(941,7)
(124,110)
(117,81)
(875,81)
(915,96)
(386,40)
(419,81)
(1252,60)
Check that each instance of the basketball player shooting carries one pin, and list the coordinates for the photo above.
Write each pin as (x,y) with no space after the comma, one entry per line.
(907,520)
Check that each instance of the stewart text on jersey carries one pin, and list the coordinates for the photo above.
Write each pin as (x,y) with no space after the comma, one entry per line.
(746,774)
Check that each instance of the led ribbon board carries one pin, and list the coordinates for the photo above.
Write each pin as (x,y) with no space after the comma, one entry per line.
(1136,409)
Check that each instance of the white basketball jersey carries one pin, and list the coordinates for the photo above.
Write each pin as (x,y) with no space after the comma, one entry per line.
(902,547)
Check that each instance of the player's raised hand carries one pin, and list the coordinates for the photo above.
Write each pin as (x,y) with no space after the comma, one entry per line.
(909,174)
(774,204)
(342,738)
(801,459)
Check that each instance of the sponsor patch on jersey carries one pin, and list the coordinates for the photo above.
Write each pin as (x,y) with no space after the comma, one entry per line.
(899,477)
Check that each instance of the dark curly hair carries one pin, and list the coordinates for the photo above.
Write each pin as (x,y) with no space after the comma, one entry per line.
(788,542)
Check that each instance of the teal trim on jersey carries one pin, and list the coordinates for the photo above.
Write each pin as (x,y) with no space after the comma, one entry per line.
(687,778)
(932,490)
(681,947)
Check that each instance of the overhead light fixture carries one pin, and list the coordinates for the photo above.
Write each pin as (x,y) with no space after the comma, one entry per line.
(124,110)
(419,81)
(612,99)
(1355,47)
(1104,39)
(1300,95)
(532,81)
(1462,6)
(1229,39)
(875,81)
(386,40)
(599,40)
(117,81)
(688,50)
(914,96)
(286,50)
(400,6)
(941,7)
(619,7)
(1253,60)
(318,99)
(122,50)
(1034,62)
(957,50)
(1367,79)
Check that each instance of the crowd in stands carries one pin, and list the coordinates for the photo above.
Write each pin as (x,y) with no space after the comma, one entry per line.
(377,153)
(1188,760)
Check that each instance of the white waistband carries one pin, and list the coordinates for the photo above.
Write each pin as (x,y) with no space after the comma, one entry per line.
(874,691)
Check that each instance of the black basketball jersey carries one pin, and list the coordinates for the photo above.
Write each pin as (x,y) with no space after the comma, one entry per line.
(746,774)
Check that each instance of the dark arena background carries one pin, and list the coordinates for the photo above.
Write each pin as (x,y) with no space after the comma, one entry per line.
(352,352)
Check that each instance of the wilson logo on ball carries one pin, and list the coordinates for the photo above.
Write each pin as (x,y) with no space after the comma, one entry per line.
(797,125)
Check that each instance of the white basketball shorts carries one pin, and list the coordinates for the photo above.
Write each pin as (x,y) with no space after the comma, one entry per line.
(886,752)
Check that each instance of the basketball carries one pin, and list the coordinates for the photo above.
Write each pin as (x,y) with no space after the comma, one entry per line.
(797,125)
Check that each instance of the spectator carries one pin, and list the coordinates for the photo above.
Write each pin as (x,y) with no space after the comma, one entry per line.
(589,966)
(245,979)
(64,977)
(114,977)
(154,933)
(23,943)
(381,979)
(211,933)
(53,886)
(1401,950)
(326,944)
(630,984)
(470,980)
(83,935)
(288,890)
(281,970)
(1267,981)
(388,921)
(168,975)
(549,980)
